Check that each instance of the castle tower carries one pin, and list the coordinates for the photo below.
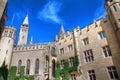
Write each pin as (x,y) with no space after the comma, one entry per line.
(113,10)
(6,45)
(24,32)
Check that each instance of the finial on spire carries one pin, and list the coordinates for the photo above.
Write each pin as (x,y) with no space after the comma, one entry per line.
(31,41)
(62,31)
(26,19)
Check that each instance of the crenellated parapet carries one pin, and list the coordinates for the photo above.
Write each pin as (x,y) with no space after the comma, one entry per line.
(92,26)
(30,47)
(64,36)
(10,32)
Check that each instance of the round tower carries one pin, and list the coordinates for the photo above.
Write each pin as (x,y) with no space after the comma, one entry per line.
(113,10)
(6,45)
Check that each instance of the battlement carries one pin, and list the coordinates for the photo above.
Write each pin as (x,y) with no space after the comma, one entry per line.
(30,47)
(89,27)
(11,28)
(68,34)
(9,31)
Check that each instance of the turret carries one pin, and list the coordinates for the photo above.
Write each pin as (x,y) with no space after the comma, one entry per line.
(62,31)
(24,32)
(6,45)
(113,10)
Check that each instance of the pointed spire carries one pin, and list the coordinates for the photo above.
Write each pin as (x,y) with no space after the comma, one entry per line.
(62,31)
(56,37)
(31,41)
(26,19)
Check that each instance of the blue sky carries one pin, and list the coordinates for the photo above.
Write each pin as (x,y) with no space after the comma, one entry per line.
(46,16)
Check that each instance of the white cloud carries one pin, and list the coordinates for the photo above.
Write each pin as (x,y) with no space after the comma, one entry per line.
(100,11)
(49,12)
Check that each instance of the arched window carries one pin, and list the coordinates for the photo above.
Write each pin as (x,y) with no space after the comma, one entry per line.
(46,63)
(53,67)
(19,66)
(37,66)
(28,67)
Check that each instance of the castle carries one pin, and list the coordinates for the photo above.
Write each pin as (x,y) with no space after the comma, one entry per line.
(91,53)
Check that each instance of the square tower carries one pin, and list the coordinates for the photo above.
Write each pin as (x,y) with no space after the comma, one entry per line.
(24,32)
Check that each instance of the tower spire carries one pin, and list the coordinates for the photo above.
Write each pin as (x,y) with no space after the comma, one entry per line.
(62,31)
(26,20)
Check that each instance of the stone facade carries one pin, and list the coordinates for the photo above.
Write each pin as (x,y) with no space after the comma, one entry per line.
(97,47)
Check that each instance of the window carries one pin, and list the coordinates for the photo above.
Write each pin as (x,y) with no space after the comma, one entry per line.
(6,51)
(28,67)
(46,63)
(110,11)
(10,35)
(62,51)
(73,76)
(112,72)
(102,35)
(9,41)
(91,74)
(6,32)
(37,66)
(85,41)
(118,20)
(19,66)
(115,8)
(71,61)
(116,28)
(22,37)
(70,47)
(62,63)
(106,50)
(62,77)
(88,56)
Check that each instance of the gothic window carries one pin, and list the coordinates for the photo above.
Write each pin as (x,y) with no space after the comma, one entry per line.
(9,41)
(10,35)
(53,67)
(19,66)
(102,35)
(6,51)
(85,41)
(88,55)
(28,67)
(62,77)
(37,66)
(115,8)
(62,64)
(112,73)
(106,50)
(118,20)
(73,76)
(70,47)
(91,74)
(6,32)
(46,63)
(22,37)
(71,61)
(62,51)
